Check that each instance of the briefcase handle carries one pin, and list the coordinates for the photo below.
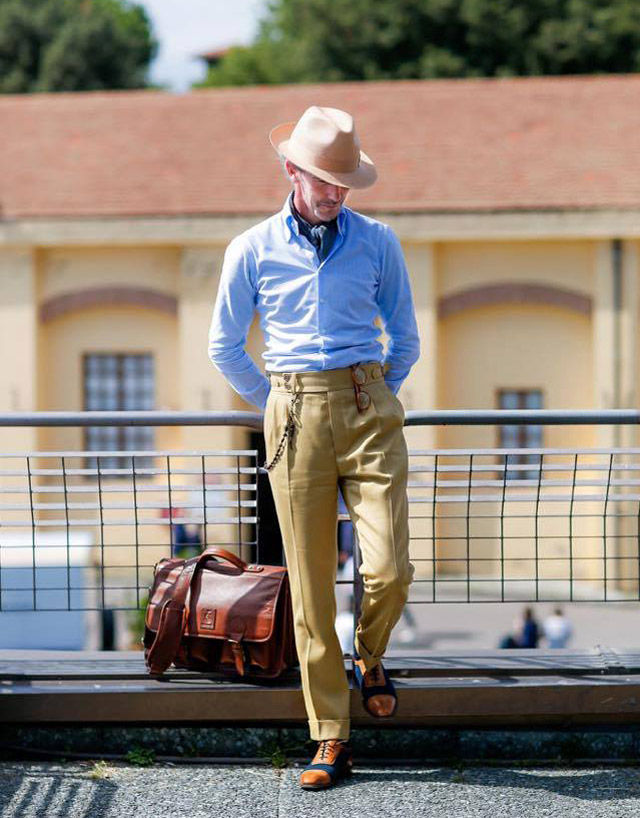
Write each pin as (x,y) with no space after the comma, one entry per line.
(172,617)
(225,555)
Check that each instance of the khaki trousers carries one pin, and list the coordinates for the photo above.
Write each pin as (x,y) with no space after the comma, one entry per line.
(365,453)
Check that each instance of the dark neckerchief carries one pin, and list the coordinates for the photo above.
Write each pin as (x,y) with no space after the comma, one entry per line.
(320,235)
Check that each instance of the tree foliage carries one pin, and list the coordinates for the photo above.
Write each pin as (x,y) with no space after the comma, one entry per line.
(73,45)
(335,40)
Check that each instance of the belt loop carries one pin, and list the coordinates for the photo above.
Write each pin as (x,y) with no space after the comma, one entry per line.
(377,371)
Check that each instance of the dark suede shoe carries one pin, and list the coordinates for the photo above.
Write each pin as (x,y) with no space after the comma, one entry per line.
(333,760)
(379,696)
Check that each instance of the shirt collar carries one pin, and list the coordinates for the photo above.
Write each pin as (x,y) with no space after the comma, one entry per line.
(291,222)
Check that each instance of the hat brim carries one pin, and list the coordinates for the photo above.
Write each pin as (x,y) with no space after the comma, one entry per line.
(364,176)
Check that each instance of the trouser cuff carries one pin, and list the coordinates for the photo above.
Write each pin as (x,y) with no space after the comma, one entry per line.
(329,728)
(369,659)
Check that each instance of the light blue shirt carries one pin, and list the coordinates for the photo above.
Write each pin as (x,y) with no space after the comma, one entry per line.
(314,315)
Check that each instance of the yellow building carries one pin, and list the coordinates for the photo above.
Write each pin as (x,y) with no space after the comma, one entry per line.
(517,202)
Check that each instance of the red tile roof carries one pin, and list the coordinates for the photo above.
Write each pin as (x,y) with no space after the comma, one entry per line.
(440,145)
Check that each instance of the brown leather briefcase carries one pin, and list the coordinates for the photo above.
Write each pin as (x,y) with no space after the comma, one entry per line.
(216,613)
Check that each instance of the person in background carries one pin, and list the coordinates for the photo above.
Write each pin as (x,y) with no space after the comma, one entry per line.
(529,631)
(345,622)
(186,540)
(525,632)
(557,629)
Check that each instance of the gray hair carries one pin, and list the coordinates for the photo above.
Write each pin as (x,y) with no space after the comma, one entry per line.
(283,160)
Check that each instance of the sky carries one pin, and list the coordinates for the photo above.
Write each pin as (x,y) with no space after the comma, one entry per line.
(185,28)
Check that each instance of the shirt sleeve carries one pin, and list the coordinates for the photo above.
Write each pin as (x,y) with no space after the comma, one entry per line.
(232,315)
(395,302)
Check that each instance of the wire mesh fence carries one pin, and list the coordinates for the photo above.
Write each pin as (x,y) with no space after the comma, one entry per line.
(75,535)
(497,525)
(82,530)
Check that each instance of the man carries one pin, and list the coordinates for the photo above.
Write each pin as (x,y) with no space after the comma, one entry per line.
(319,274)
(557,629)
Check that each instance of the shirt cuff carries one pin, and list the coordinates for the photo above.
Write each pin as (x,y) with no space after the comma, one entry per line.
(394,384)
(260,395)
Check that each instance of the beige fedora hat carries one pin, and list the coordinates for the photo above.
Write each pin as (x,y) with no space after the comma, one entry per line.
(324,142)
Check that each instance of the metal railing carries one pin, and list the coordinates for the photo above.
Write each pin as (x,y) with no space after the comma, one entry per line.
(487,524)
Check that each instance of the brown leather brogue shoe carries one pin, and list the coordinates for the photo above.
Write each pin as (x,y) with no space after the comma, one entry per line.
(333,760)
(381,704)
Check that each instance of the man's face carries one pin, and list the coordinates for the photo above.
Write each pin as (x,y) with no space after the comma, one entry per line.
(315,200)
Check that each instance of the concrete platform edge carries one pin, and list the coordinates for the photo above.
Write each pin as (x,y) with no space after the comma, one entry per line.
(449,745)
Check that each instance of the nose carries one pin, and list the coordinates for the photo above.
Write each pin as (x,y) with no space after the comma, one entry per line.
(335,192)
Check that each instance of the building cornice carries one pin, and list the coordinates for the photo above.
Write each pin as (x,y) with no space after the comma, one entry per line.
(410,227)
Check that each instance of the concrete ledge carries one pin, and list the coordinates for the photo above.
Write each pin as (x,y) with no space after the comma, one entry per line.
(422,703)
(485,688)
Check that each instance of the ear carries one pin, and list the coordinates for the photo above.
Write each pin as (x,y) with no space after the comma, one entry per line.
(292,170)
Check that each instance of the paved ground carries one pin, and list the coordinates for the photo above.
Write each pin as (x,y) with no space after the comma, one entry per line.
(70,790)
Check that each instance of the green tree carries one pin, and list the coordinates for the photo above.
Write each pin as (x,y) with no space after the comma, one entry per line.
(336,40)
(73,45)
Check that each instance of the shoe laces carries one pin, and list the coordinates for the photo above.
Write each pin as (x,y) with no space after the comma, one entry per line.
(326,745)
(375,676)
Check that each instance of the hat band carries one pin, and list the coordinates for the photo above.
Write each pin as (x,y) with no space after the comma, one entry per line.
(330,164)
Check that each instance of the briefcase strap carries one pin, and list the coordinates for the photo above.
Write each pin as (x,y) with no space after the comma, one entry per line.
(172,617)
